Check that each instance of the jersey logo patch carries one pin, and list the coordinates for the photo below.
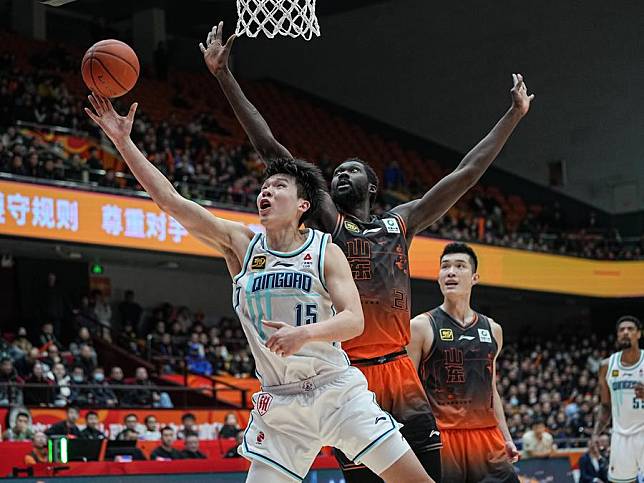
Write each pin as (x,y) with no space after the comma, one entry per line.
(260,438)
(391,225)
(351,226)
(308,261)
(466,337)
(447,334)
(283,264)
(371,230)
(258,263)
(484,336)
(263,403)
(615,373)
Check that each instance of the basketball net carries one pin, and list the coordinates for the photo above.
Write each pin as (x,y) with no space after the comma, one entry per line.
(292,18)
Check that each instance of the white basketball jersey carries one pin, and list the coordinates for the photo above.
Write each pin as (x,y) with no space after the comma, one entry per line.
(628,411)
(290,288)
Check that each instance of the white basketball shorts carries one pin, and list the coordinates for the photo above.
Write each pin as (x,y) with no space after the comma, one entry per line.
(287,431)
(626,457)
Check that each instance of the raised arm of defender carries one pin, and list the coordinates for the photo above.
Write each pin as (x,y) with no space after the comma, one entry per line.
(216,55)
(230,238)
(421,213)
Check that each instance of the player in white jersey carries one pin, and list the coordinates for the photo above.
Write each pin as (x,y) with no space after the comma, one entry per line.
(297,301)
(621,390)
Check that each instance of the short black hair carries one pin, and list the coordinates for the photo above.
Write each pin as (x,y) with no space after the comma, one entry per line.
(188,434)
(308,177)
(148,417)
(22,413)
(91,413)
(538,420)
(188,415)
(457,247)
(629,318)
(75,408)
(130,414)
(372,177)
(167,428)
(4,359)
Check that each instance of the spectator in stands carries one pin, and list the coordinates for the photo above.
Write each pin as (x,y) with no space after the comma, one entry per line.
(92,430)
(230,427)
(151,432)
(86,359)
(66,427)
(131,422)
(47,336)
(128,340)
(21,430)
(593,465)
(25,365)
(129,310)
(188,425)
(10,382)
(144,395)
(109,180)
(53,303)
(168,352)
(166,451)
(61,380)
(184,318)
(538,443)
(84,337)
(38,396)
(117,379)
(51,356)
(102,396)
(103,312)
(191,447)
(39,452)
(233,452)
(80,395)
(21,345)
(196,356)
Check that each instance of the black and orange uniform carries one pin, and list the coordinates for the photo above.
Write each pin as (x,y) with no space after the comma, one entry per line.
(458,377)
(377,254)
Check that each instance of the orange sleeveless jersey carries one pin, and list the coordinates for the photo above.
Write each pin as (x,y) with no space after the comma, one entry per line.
(377,254)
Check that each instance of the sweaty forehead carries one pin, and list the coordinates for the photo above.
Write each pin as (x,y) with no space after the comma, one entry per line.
(349,165)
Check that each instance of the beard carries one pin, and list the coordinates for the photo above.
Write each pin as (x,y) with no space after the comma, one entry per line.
(623,344)
(347,200)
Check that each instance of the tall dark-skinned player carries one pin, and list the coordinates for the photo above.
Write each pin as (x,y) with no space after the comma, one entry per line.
(377,248)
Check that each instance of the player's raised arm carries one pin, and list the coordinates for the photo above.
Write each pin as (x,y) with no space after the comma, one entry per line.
(223,235)
(604,412)
(510,448)
(216,55)
(421,340)
(421,213)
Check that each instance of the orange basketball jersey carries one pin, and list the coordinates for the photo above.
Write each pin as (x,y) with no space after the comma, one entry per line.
(377,254)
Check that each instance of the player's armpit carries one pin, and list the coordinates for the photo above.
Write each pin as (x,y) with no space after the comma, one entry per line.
(420,329)
(218,233)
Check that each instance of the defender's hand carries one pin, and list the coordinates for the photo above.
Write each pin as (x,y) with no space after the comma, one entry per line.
(511,451)
(215,53)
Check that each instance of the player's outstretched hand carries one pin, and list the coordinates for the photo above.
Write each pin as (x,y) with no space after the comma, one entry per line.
(115,126)
(520,98)
(639,390)
(286,341)
(215,52)
(511,451)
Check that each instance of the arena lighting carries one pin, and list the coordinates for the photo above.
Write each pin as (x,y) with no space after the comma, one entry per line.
(56,3)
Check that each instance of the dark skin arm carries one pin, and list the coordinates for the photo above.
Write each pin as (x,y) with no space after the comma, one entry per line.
(604,413)
(421,213)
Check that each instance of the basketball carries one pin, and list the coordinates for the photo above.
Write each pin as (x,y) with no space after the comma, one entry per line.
(110,68)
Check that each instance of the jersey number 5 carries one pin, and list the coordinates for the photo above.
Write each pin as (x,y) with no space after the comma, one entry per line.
(306,314)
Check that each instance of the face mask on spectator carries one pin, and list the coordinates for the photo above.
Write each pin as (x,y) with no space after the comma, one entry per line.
(99,376)
(78,378)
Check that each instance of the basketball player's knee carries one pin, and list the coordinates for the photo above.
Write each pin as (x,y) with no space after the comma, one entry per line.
(262,473)
(393,460)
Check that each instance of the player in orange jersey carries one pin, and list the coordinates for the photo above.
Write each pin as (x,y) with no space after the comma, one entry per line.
(376,247)
(455,350)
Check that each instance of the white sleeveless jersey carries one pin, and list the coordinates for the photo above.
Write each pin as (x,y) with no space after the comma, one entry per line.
(290,288)
(627,410)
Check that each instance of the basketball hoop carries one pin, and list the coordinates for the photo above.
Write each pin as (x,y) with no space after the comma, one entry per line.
(292,18)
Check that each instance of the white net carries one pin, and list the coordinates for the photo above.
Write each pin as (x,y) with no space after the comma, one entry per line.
(292,18)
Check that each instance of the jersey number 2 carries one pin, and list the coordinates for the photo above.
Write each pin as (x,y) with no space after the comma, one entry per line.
(306,314)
